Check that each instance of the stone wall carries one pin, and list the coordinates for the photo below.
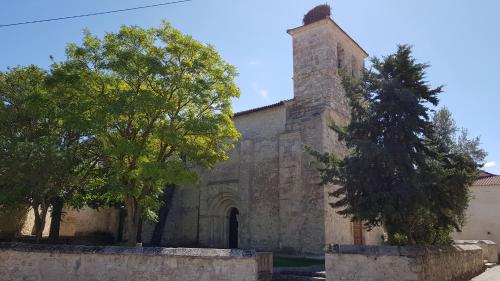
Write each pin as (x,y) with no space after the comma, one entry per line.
(490,250)
(83,222)
(248,181)
(391,263)
(88,221)
(63,263)
(12,223)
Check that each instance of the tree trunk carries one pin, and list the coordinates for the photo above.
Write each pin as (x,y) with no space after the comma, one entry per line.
(139,231)
(168,196)
(121,222)
(40,212)
(133,215)
(56,215)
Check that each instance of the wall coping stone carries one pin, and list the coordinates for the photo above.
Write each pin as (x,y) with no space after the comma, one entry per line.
(397,250)
(488,242)
(119,250)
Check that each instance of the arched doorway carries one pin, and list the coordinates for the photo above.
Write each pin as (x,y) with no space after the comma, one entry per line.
(233,228)
(222,221)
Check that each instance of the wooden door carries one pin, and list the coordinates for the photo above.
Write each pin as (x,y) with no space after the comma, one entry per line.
(357,232)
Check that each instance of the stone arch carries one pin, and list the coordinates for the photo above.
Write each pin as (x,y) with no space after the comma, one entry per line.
(219,210)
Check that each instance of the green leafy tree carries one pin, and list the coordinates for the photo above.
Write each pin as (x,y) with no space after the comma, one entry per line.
(41,150)
(85,177)
(162,102)
(456,139)
(398,174)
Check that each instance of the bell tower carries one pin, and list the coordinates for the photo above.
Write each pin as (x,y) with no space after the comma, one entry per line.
(321,50)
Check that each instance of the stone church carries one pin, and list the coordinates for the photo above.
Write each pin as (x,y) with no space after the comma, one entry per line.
(267,195)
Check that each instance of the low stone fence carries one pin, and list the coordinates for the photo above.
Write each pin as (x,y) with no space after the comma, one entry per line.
(490,250)
(68,263)
(392,263)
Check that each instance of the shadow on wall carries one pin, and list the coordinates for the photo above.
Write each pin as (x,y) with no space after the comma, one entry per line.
(85,226)
(12,223)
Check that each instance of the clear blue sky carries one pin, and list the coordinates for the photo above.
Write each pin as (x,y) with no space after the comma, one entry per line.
(460,38)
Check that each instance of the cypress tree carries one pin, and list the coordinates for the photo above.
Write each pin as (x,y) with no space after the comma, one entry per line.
(399,174)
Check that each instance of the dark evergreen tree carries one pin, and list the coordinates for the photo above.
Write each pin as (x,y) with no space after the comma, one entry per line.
(399,175)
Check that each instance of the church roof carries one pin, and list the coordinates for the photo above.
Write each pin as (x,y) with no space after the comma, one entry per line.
(487,179)
(261,108)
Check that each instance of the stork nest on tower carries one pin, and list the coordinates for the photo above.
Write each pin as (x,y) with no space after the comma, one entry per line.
(320,12)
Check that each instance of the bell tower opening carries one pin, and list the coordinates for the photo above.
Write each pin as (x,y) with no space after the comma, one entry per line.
(340,57)
(233,228)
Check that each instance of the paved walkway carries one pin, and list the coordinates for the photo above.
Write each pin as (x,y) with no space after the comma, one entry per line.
(491,274)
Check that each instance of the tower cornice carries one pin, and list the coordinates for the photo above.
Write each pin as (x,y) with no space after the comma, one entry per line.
(328,22)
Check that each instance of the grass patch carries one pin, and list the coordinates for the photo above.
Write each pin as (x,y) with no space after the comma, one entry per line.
(296,262)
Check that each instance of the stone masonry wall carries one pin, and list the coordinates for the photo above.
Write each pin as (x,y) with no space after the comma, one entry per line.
(391,263)
(63,263)
(248,181)
(88,221)
(12,223)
